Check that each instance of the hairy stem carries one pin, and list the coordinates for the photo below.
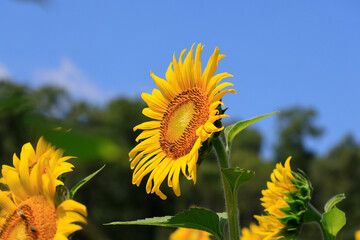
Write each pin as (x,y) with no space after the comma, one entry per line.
(230,198)
(313,215)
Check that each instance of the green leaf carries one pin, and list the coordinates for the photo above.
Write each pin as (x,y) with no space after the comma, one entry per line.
(333,201)
(82,182)
(333,221)
(232,130)
(236,176)
(194,218)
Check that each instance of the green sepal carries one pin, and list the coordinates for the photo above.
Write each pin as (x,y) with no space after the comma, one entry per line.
(303,185)
(292,220)
(194,218)
(232,130)
(82,182)
(237,176)
(295,212)
(333,220)
(62,193)
(333,201)
(296,204)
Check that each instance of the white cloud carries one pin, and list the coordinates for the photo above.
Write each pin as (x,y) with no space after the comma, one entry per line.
(71,78)
(4,72)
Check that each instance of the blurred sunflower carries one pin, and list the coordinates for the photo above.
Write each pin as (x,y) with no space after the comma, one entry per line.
(183,113)
(28,208)
(285,202)
(250,233)
(357,235)
(189,234)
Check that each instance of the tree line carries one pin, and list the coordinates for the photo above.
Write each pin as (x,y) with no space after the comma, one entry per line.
(99,135)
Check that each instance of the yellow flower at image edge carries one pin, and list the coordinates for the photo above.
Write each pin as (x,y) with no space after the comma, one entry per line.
(28,208)
(183,113)
(189,234)
(285,202)
(357,235)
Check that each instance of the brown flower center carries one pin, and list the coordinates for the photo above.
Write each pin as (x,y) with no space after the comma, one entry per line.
(184,115)
(34,219)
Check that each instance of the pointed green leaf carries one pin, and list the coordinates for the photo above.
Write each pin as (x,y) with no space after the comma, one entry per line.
(333,221)
(333,201)
(232,130)
(194,218)
(82,182)
(236,176)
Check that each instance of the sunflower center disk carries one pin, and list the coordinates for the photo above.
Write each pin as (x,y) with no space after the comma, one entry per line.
(180,120)
(34,219)
(185,114)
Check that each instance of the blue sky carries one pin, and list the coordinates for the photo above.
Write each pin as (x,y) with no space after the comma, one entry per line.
(282,53)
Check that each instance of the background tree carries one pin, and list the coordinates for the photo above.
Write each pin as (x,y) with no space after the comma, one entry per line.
(295,126)
(104,134)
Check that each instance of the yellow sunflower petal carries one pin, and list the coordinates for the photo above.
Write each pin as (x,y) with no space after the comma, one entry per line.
(164,86)
(6,204)
(211,66)
(146,134)
(215,81)
(148,125)
(152,114)
(72,206)
(154,103)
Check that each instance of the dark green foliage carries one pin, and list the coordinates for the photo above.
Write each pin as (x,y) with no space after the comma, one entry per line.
(98,135)
(295,125)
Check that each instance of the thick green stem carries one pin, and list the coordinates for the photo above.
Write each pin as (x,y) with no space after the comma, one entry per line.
(230,198)
(313,215)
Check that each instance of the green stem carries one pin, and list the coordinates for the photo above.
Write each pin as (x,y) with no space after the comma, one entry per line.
(313,215)
(230,198)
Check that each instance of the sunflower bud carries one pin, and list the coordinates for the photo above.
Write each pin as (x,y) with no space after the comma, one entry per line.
(285,202)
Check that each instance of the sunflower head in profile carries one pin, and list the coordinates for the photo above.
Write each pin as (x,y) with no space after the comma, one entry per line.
(183,113)
(28,210)
(285,202)
(189,234)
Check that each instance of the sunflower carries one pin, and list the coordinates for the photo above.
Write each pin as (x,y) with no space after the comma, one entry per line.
(28,208)
(183,111)
(189,234)
(285,202)
(250,233)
